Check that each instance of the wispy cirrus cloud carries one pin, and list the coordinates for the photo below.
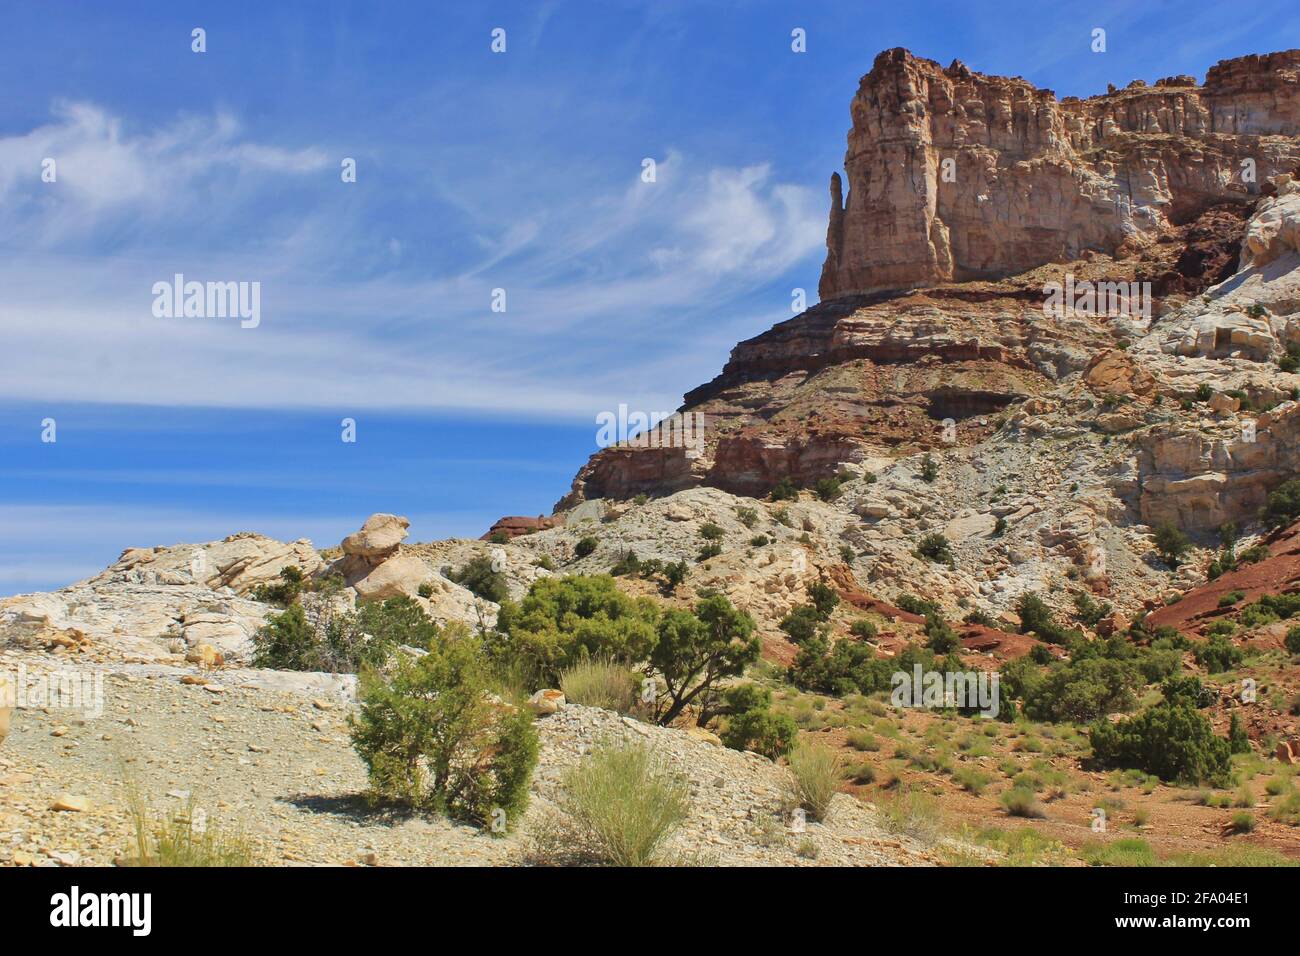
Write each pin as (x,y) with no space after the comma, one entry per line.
(598,283)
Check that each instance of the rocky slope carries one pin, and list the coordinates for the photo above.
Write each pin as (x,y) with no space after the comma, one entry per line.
(275,763)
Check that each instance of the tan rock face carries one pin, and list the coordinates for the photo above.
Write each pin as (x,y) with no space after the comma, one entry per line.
(1198,481)
(1274,230)
(954,175)
(400,574)
(241,562)
(1116,373)
(7,696)
(378,537)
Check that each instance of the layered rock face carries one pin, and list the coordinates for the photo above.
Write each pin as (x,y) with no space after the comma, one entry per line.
(954,175)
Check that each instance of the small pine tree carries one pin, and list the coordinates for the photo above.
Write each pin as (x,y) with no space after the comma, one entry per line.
(1238,740)
(1171,544)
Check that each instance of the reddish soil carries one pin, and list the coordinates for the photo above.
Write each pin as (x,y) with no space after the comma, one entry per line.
(1199,607)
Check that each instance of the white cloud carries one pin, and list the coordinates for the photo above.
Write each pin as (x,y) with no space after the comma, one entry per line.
(601,285)
(102,169)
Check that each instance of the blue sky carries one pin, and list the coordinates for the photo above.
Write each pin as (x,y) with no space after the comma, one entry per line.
(475,171)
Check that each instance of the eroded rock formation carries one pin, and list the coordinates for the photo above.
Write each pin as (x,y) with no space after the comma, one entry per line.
(954,175)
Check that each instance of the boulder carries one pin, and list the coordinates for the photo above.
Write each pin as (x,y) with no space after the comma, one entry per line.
(1224,404)
(959,529)
(1113,623)
(1115,372)
(70,802)
(378,537)
(400,574)
(514,526)
(547,702)
(205,654)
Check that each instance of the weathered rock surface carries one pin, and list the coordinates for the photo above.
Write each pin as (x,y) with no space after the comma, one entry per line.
(378,537)
(512,526)
(240,562)
(954,175)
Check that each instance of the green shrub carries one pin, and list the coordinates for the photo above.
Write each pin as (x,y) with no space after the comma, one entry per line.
(1292,640)
(759,541)
(934,547)
(284,592)
(1238,740)
(747,516)
(1254,554)
(846,667)
(1187,690)
(939,637)
(340,642)
(1171,544)
(711,532)
(433,738)
(1217,654)
(861,774)
(1082,690)
(1283,505)
(1288,811)
(785,490)
(824,599)
(800,624)
(1172,741)
(816,773)
(1088,612)
(600,682)
(697,649)
(751,724)
(864,629)
(564,620)
(480,578)
(915,605)
(1129,851)
(860,739)
(1036,618)
(971,780)
(619,807)
(585,546)
(1231,598)
(1242,822)
(710,550)
(827,489)
(1022,802)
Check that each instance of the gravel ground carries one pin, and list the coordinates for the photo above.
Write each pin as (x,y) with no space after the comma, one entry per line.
(279,767)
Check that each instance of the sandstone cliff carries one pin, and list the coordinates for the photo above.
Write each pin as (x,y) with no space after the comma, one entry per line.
(955,175)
